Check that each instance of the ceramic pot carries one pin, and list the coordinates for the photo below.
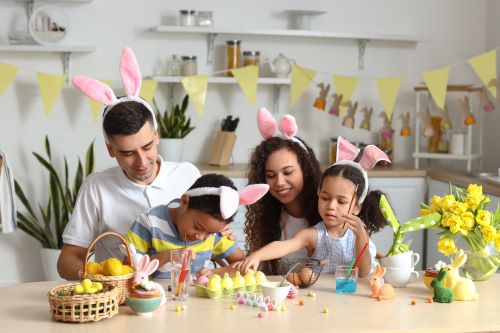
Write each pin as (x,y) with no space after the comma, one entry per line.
(171,149)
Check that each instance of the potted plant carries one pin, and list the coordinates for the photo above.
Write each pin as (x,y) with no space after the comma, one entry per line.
(47,225)
(173,126)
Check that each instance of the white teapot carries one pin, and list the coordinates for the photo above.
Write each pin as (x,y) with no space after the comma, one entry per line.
(281,66)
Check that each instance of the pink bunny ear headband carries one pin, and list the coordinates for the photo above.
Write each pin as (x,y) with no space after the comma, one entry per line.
(231,199)
(347,153)
(287,126)
(102,93)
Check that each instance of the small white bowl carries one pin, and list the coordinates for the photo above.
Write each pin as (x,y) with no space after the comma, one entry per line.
(274,291)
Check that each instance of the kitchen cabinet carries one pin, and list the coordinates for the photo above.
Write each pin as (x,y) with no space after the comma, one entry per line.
(474,141)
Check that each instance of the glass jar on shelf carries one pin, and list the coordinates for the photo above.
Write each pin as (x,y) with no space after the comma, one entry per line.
(174,66)
(189,66)
(205,19)
(251,58)
(233,55)
(187,18)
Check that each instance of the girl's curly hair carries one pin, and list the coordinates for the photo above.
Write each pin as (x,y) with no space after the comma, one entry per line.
(262,225)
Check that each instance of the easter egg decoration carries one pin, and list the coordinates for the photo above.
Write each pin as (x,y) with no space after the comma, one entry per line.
(238,281)
(202,280)
(216,277)
(112,267)
(250,280)
(260,277)
(227,284)
(214,283)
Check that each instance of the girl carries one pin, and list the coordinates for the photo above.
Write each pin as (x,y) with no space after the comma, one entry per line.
(194,222)
(344,203)
(292,172)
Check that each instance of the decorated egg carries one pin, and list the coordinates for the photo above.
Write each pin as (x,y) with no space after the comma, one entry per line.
(202,280)
(306,275)
(260,277)
(227,282)
(214,283)
(215,276)
(238,280)
(294,278)
(249,278)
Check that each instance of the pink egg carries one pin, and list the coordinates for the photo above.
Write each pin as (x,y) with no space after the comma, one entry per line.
(202,280)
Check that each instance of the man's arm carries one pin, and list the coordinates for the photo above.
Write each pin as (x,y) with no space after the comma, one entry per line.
(71,262)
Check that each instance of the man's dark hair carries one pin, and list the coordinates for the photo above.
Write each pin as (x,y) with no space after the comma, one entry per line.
(126,118)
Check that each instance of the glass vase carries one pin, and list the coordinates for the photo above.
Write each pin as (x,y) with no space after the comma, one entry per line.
(481,264)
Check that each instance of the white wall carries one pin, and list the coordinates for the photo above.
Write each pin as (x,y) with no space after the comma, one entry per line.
(456,30)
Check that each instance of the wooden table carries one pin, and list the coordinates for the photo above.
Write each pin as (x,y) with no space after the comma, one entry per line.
(25,308)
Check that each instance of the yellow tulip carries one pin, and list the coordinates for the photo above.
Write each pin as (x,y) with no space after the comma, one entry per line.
(446,246)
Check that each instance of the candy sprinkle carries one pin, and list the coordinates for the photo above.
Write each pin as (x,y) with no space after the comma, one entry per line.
(282,308)
(260,315)
(233,307)
(178,308)
(430,300)
(326,310)
(413,302)
(301,302)
(184,307)
(311,294)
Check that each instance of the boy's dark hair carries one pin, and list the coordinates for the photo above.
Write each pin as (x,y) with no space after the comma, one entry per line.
(370,212)
(210,204)
(126,118)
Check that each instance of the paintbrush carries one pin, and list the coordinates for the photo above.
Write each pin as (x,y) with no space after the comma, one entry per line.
(350,204)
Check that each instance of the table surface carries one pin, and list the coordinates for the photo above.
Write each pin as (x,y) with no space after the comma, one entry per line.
(25,308)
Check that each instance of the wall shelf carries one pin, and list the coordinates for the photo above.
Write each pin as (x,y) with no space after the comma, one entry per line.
(361,38)
(471,153)
(278,83)
(65,50)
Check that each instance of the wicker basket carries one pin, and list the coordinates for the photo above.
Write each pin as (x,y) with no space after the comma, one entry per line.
(305,274)
(81,308)
(123,283)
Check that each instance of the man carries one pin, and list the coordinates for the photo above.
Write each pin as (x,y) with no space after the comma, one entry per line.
(112,199)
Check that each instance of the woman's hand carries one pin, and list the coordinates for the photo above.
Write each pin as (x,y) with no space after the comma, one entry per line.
(251,262)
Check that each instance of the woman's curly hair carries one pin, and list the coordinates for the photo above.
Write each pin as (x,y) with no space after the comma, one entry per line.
(262,225)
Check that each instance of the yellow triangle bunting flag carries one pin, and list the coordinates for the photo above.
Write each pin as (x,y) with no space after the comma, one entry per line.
(148,90)
(7,73)
(344,85)
(388,89)
(95,107)
(247,79)
(196,87)
(437,82)
(50,88)
(301,78)
(485,66)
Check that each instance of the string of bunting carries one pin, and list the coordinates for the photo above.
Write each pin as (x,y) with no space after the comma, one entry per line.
(484,65)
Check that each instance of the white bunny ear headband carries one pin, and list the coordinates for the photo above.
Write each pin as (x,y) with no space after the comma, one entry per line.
(102,93)
(231,199)
(287,126)
(347,153)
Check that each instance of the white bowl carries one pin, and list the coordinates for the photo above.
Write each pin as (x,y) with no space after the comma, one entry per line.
(274,291)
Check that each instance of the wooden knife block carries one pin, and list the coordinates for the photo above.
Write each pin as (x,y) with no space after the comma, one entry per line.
(222,149)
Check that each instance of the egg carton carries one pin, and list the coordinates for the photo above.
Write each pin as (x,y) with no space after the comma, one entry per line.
(203,291)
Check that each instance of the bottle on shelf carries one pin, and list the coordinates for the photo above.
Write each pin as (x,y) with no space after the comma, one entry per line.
(187,18)
(189,66)
(251,58)
(174,66)
(233,55)
(205,19)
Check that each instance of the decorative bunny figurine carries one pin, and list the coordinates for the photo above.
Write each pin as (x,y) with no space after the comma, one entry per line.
(366,122)
(463,289)
(405,127)
(335,109)
(445,119)
(486,104)
(426,119)
(349,118)
(144,270)
(386,134)
(380,290)
(320,102)
(136,257)
(469,117)
(442,294)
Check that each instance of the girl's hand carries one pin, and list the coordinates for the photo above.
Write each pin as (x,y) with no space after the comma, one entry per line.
(228,232)
(357,226)
(204,272)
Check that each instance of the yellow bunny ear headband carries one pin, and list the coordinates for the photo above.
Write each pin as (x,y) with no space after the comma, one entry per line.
(102,93)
